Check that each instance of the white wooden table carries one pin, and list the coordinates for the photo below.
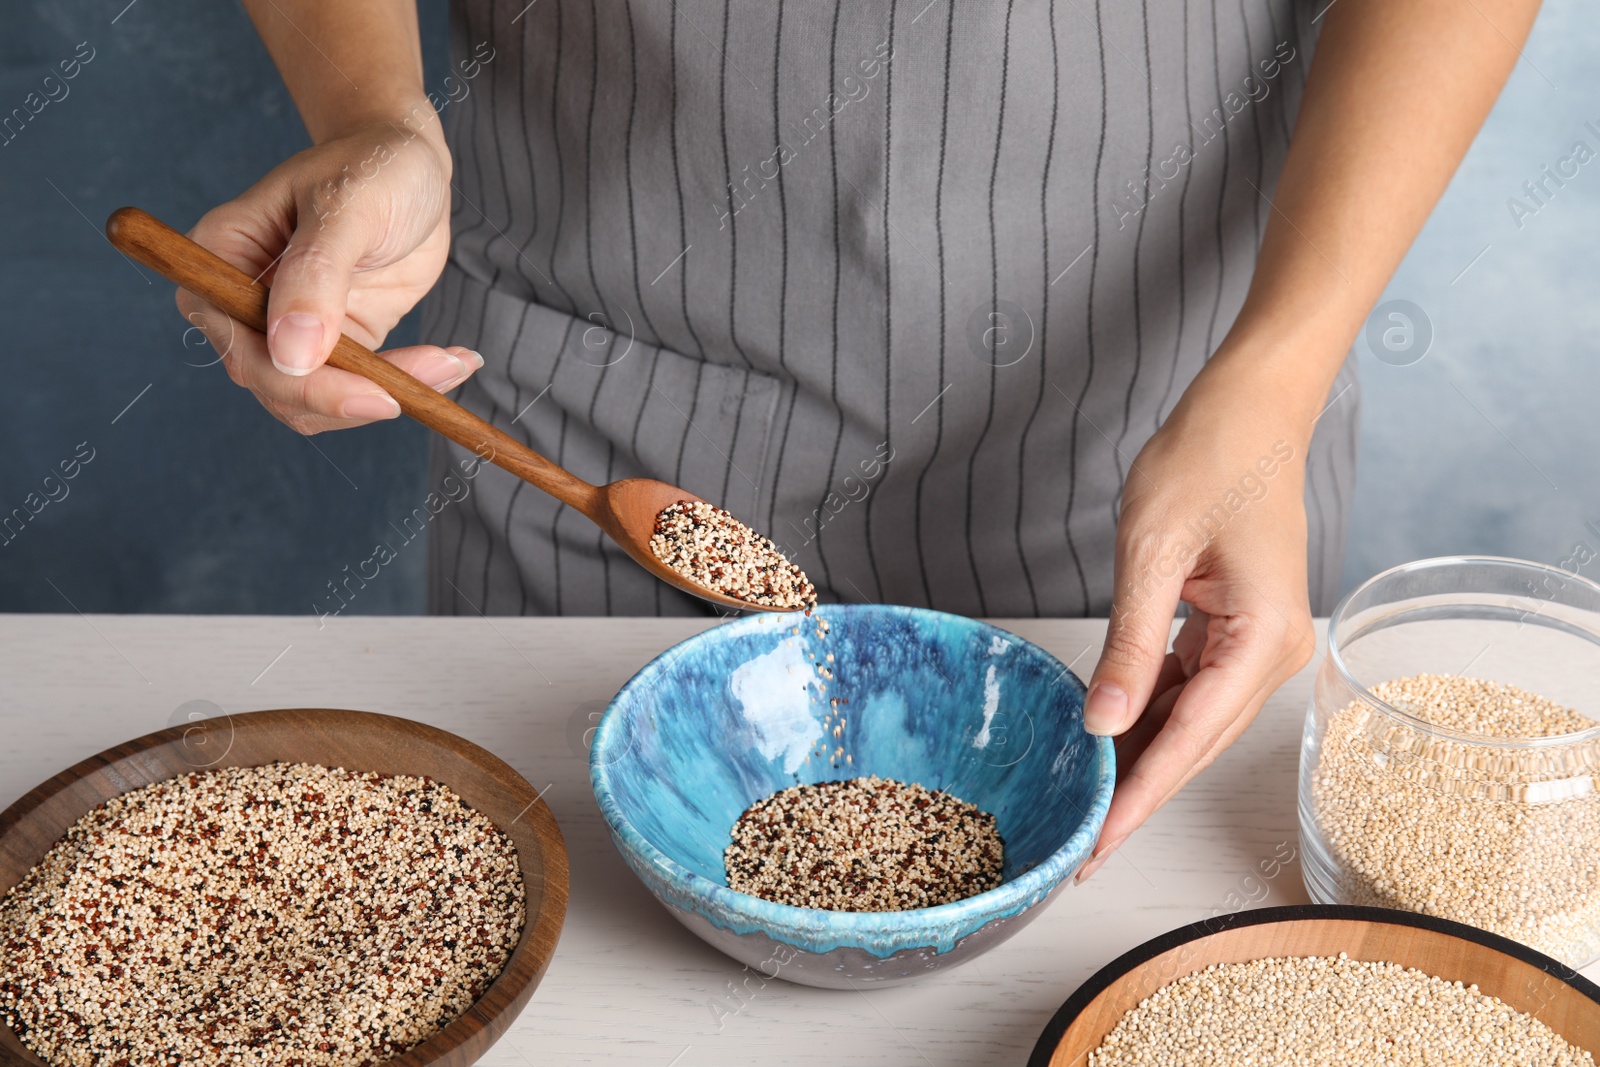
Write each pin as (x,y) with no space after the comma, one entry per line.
(629,985)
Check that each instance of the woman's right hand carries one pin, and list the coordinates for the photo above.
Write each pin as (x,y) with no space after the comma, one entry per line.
(349,235)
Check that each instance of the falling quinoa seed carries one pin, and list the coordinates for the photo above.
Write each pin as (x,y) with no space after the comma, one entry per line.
(710,547)
(285,914)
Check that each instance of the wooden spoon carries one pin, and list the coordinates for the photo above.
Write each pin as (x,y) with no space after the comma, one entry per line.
(626,510)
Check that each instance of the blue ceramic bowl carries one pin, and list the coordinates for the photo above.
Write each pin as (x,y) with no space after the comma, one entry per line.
(736,713)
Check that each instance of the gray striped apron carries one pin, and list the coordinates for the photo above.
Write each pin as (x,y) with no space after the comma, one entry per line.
(905,285)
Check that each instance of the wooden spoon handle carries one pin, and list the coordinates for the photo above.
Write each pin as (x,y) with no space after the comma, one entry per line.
(168,252)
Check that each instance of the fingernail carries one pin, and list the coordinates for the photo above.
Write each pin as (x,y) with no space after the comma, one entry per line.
(477,360)
(442,372)
(1094,864)
(371,406)
(296,343)
(1097,860)
(1105,710)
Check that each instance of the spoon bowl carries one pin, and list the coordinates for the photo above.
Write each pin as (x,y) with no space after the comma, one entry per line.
(627,513)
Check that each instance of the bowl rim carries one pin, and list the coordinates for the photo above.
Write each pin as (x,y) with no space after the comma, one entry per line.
(1335,657)
(524,968)
(1097,983)
(893,931)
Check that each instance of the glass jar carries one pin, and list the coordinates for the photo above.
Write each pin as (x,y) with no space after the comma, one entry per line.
(1398,811)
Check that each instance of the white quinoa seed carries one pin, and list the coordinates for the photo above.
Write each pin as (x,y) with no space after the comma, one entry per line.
(286,914)
(712,548)
(864,844)
(1323,1010)
(1431,824)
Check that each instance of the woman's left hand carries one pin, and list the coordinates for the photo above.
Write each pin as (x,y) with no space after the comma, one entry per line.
(1203,520)
(1212,515)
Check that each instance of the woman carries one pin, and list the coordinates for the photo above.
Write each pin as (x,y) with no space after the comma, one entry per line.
(961,302)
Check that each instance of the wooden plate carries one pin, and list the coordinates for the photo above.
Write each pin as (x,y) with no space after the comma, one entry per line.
(356,740)
(1529,981)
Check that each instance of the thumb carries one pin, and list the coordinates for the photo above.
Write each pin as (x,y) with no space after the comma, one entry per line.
(1147,584)
(311,288)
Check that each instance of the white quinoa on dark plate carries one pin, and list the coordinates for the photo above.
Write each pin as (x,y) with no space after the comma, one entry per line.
(280,915)
(1324,1011)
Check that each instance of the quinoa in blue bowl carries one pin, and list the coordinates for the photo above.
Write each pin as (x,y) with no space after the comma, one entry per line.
(747,708)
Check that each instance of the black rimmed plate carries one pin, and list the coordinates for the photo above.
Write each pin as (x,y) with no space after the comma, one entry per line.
(1528,981)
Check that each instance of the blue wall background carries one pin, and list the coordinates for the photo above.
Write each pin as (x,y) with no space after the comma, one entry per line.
(1488,443)
(194,501)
